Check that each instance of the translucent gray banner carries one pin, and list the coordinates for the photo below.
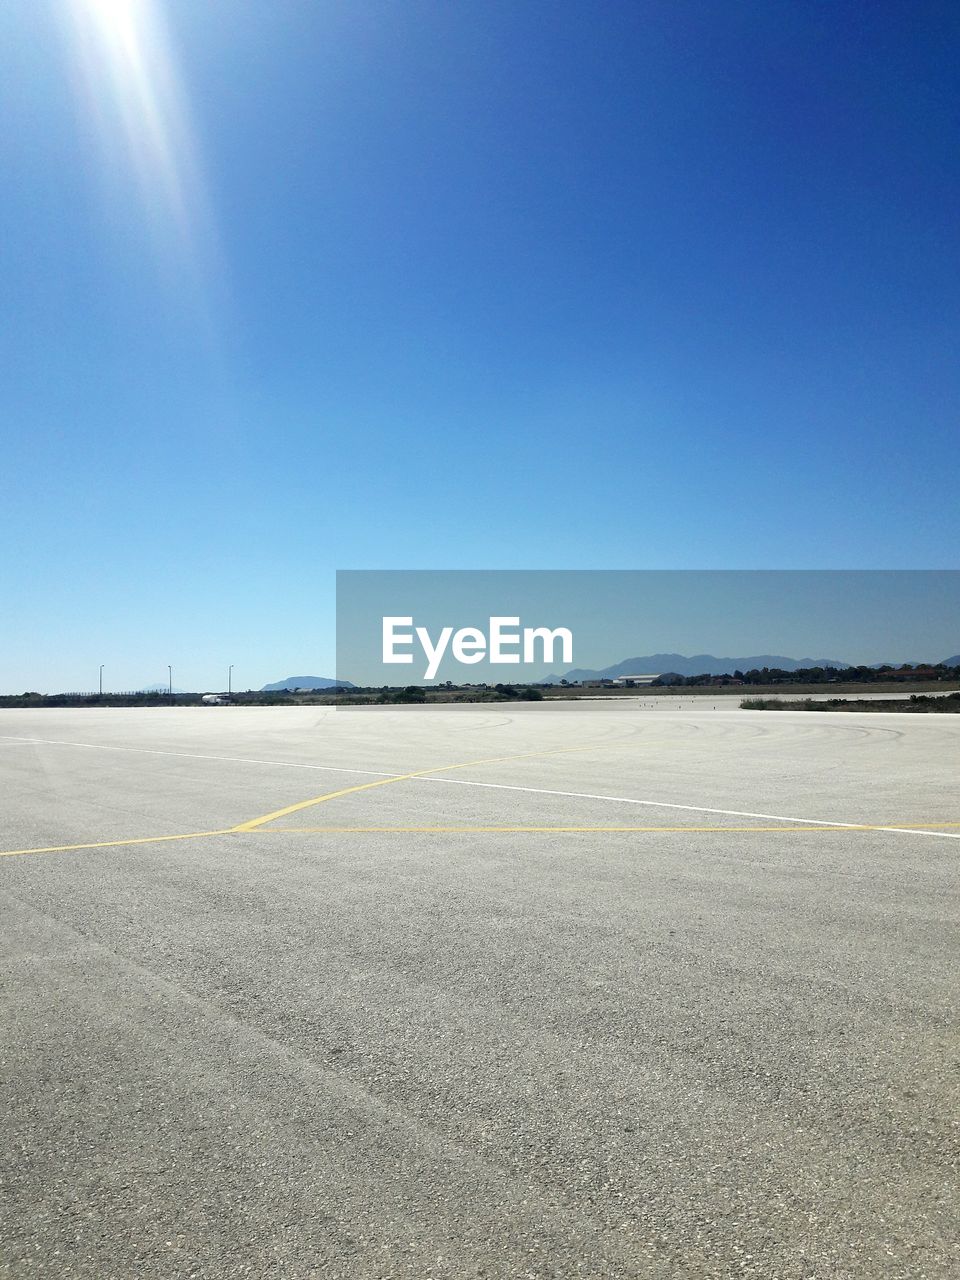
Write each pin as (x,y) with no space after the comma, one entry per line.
(418,627)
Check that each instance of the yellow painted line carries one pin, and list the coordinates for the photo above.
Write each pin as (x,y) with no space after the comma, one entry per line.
(908,826)
(898,826)
(255,823)
(466,830)
(114,844)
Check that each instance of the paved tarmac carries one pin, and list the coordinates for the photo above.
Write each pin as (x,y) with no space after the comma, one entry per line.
(627,989)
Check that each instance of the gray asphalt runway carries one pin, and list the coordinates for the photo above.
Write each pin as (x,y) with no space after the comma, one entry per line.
(551,990)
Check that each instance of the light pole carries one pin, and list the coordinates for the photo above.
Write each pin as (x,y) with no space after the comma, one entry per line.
(101,679)
(230,679)
(170,679)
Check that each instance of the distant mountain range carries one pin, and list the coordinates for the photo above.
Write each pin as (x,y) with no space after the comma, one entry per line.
(306,682)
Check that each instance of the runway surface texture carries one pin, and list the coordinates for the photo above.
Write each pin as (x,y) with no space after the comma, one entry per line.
(628,989)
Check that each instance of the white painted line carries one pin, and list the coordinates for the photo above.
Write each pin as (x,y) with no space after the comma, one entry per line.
(496,786)
(190,755)
(689,808)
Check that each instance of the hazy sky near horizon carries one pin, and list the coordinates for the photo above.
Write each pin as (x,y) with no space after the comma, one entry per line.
(288,286)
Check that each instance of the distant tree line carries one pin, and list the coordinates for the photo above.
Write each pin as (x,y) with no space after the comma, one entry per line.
(817,675)
(471,693)
(917,703)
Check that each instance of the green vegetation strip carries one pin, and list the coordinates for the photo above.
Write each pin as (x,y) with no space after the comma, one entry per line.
(916,703)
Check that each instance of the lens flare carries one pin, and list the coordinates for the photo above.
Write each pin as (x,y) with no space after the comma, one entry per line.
(131,91)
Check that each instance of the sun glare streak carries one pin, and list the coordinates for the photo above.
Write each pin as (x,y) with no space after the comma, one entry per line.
(131,89)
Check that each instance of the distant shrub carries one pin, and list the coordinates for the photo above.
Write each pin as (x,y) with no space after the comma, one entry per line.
(412,693)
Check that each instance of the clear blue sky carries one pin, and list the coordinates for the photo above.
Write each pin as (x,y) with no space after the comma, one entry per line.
(290,286)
